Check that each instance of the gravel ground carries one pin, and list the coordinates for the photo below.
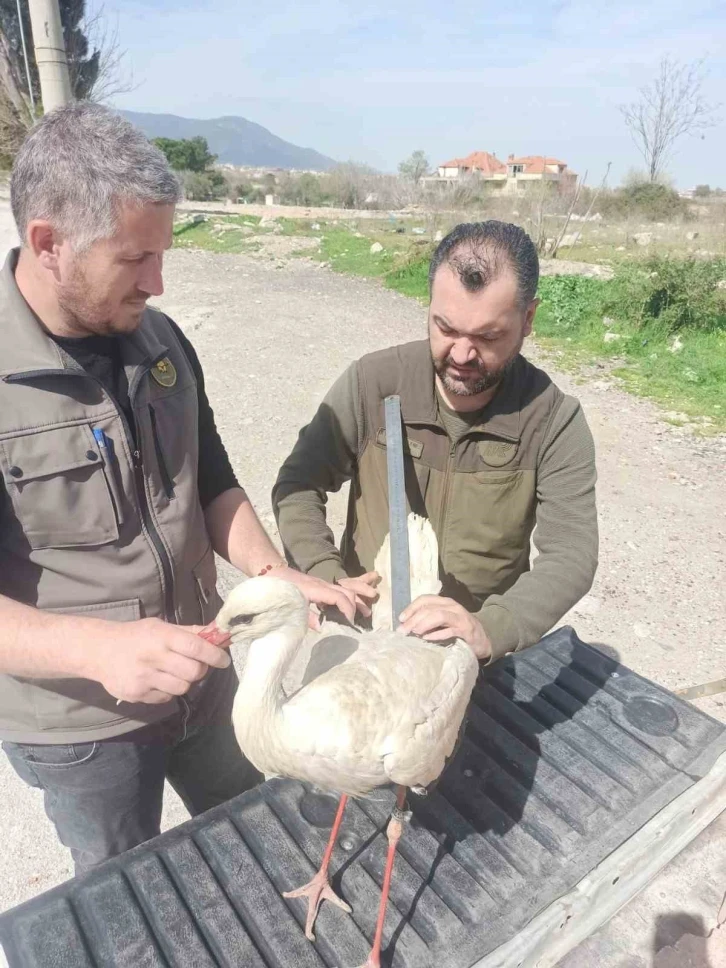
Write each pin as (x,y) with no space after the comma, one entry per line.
(272,335)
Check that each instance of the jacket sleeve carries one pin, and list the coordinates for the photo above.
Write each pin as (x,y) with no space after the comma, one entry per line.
(566,539)
(322,460)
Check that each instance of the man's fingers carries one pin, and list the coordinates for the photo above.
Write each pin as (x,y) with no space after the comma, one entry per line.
(195,647)
(425,621)
(212,633)
(363,607)
(167,683)
(441,635)
(370,578)
(361,589)
(342,598)
(422,602)
(156,697)
(182,667)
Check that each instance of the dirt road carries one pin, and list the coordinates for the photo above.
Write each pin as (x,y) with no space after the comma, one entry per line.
(272,336)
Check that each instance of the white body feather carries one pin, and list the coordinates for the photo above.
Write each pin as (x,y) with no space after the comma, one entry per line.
(372,707)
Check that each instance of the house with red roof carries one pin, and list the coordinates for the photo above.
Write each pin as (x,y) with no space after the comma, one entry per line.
(513,176)
(479,163)
(536,168)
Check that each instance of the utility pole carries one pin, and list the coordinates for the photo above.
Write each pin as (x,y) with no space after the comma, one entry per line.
(50,54)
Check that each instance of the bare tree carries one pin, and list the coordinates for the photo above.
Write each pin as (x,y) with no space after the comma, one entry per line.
(112,77)
(575,199)
(670,107)
(94,61)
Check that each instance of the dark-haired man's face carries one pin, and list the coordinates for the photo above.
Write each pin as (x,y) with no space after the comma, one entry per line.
(475,336)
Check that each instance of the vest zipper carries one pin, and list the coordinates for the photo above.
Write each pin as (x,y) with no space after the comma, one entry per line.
(148,524)
(166,480)
(444,499)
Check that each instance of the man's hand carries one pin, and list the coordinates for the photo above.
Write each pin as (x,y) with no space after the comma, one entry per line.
(152,661)
(364,589)
(436,619)
(319,592)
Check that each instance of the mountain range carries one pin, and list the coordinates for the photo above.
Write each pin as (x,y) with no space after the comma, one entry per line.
(234,140)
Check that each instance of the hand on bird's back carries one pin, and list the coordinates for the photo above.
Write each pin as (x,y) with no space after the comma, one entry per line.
(436,619)
(320,593)
(364,587)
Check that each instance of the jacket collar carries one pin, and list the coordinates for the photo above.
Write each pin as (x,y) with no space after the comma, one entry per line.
(419,405)
(26,348)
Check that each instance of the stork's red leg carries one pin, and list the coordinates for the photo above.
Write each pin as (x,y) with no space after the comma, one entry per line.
(318,889)
(394,831)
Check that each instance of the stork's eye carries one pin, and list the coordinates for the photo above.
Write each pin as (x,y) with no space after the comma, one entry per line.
(240,620)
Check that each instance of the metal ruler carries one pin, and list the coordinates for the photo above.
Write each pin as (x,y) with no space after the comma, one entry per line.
(397,518)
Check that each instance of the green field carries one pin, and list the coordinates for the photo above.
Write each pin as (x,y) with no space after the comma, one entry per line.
(659,325)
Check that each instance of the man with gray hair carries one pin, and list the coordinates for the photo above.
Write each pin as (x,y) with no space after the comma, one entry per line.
(492,448)
(115,493)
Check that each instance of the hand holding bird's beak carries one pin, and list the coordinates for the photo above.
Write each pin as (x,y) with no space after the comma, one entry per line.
(212,633)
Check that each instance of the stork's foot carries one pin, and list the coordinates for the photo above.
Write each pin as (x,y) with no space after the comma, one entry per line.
(372,961)
(317,891)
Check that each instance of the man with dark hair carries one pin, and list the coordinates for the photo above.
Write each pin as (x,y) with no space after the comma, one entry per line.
(493,449)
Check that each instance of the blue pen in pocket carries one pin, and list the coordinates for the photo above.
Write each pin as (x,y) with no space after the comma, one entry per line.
(104,446)
(101,441)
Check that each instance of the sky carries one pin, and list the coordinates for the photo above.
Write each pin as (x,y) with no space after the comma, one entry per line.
(372,82)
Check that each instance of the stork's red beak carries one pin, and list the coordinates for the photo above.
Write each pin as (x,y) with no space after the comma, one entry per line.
(214,634)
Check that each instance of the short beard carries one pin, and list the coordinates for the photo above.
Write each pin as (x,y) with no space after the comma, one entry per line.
(486,380)
(82,315)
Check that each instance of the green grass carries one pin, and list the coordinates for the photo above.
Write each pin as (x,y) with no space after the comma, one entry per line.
(691,381)
(649,303)
(352,255)
(201,234)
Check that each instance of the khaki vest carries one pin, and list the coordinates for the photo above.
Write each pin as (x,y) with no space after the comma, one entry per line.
(116,534)
(480,494)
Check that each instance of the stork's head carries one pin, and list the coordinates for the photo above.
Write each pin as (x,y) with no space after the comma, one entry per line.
(259,606)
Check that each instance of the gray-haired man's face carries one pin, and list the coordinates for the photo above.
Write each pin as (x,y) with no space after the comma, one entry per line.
(104,289)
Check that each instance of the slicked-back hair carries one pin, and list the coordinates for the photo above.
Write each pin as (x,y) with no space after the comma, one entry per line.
(479,251)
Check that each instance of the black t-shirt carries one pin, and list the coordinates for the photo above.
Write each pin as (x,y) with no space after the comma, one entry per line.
(100,356)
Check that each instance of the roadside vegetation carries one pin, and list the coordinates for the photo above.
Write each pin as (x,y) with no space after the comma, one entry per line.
(658,326)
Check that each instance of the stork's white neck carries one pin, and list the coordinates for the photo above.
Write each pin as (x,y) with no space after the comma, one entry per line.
(267,661)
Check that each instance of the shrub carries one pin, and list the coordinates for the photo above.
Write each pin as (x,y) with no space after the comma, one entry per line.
(204,186)
(649,200)
(674,293)
(571,300)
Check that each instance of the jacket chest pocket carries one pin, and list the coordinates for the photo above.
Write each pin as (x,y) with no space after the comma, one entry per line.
(56,480)
(416,473)
(491,513)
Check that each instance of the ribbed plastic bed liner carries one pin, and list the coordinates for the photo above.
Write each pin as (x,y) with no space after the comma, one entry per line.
(566,755)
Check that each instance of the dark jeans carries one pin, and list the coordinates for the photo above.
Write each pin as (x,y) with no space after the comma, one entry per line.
(106,797)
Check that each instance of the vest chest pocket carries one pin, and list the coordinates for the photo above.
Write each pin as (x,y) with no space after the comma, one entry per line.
(56,480)
(416,473)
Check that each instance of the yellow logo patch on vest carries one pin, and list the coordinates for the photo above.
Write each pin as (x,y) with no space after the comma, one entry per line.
(164,372)
(496,453)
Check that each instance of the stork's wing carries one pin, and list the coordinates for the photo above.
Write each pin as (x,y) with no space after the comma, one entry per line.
(391,711)
(415,753)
